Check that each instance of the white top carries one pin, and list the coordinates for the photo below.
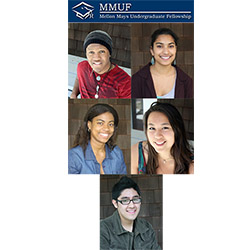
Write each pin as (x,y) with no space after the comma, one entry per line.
(170,94)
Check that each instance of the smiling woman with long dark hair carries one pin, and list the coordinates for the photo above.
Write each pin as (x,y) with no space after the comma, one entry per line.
(94,150)
(161,77)
(166,150)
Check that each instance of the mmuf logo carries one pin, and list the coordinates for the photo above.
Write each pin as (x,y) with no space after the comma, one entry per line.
(83,10)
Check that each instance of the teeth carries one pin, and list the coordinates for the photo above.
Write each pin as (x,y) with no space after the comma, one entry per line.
(165,57)
(159,143)
(106,135)
(96,63)
(131,212)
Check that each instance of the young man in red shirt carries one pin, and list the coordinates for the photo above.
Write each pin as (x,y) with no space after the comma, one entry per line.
(98,77)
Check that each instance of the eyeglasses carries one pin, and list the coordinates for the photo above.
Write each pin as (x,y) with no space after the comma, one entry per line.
(127,201)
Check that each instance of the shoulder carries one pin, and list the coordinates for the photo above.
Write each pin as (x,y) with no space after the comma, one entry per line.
(134,158)
(119,73)
(106,226)
(116,150)
(116,153)
(138,150)
(76,151)
(83,63)
(191,168)
(75,160)
(144,72)
(147,227)
(182,76)
(107,222)
(148,234)
(83,67)
(134,147)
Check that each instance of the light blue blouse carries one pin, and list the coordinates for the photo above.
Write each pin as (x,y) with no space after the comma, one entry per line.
(80,164)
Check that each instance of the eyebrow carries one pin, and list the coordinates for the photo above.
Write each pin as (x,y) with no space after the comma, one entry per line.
(104,121)
(125,197)
(165,123)
(163,43)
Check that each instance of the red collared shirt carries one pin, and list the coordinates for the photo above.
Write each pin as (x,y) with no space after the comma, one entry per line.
(114,84)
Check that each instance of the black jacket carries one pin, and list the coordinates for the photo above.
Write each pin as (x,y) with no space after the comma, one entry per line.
(143,86)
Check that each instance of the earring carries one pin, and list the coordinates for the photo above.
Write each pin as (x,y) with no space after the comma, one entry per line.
(88,130)
(174,62)
(152,60)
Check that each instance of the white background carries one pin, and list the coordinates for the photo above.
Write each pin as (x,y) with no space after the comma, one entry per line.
(44,208)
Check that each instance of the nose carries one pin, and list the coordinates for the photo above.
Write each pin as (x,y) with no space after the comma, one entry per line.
(165,49)
(105,127)
(96,56)
(131,204)
(158,134)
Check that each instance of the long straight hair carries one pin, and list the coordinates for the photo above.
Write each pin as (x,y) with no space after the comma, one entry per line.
(180,150)
(84,134)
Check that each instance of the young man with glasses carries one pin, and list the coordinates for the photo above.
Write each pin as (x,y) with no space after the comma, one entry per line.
(123,230)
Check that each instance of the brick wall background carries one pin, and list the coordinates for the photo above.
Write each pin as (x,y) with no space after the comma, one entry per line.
(141,40)
(119,32)
(151,192)
(77,109)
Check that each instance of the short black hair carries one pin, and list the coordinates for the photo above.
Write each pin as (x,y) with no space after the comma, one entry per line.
(124,183)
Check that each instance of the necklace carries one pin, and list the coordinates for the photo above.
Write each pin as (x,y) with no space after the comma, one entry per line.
(166,166)
(165,160)
(98,79)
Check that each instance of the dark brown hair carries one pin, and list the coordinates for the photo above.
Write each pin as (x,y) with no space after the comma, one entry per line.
(163,31)
(180,150)
(83,135)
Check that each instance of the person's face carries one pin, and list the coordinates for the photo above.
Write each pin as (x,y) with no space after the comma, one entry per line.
(101,127)
(159,132)
(98,57)
(127,212)
(164,50)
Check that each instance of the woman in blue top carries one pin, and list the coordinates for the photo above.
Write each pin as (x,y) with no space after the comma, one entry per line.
(94,151)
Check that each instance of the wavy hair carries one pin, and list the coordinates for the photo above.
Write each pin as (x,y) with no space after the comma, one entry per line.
(84,134)
(180,150)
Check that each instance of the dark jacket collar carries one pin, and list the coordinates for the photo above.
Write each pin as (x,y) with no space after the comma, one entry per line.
(145,72)
(139,226)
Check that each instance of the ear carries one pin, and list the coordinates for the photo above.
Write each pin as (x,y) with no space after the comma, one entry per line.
(114,203)
(89,125)
(151,51)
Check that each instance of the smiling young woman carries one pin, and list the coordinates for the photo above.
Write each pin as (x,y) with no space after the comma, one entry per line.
(166,150)
(94,150)
(161,78)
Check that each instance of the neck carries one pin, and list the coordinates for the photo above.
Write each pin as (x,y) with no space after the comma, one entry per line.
(163,69)
(105,70)
(165,156)
(97,146)
(127,224)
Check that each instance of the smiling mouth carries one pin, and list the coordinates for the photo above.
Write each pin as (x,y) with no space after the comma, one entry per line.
(96,63)
(160,143)
(131,211)
(104,135)
(165,57)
